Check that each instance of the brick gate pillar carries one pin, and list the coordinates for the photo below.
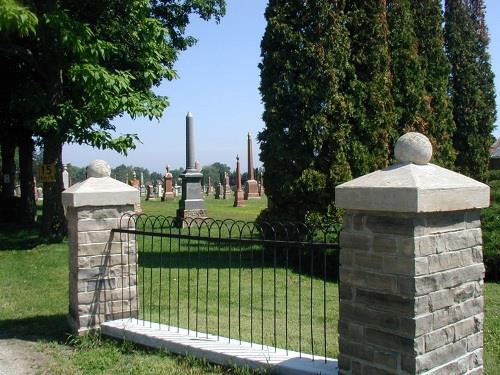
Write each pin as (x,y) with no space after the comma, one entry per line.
(411,268)
(101,268)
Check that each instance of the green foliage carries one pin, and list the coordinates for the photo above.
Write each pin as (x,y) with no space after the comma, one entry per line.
(420,71)
(304,73)
(80,65)
(471,85)
(76,174)
(17,19)
(215,171)
(438,122)
(374,116)
(490,218)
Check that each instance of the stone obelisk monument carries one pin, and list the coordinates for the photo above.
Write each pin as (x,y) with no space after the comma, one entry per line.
(251,186)
(238,193)
(191,205)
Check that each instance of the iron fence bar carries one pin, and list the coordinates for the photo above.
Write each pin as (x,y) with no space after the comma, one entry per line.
(206,292)
(249,241)
(262,298)
(197,286)
(251,294)
(161,267)
(189,282)
(324,303)
(178,282)
(300,302)
(169,278)
(311,303)
(239,295)
(143,286)
(151,285)
(274,297)
(286,300)
(229,293)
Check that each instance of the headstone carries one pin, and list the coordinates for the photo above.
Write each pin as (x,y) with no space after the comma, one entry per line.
(168,185)
(39,193)
(135,183)
(150,193)
(209,186)
(218,191)
(191,206)
(227,192)
(251,186)
(238,193)
(65,176)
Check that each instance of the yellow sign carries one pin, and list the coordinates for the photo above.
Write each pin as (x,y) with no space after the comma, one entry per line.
(47,173)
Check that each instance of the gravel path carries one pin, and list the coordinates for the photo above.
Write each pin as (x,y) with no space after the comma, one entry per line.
(19,357)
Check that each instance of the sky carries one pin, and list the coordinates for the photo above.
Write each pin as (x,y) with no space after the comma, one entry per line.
(219,84)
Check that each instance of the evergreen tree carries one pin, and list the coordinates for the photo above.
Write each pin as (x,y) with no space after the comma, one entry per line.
(435,70)
(408,82)
(471,84)
(304,72)
(374,114)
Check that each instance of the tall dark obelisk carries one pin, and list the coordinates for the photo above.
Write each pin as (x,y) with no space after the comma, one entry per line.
(251,186)
(191,205)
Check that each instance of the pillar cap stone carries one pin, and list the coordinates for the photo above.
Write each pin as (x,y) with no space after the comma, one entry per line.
(413,186)
(99,189)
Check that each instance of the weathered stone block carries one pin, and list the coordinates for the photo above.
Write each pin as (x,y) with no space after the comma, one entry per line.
(465,328)
(388,359)
(369,317)
(447,222)
(393,224)
(441,356)
(97,224)
(416,326)
(385,244)
(355,241)
(441,337)
(444,261)
(368,261)
(390,341)
(385,301)
(441,299)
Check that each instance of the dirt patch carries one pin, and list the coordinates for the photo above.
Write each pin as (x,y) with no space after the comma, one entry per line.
(20,357)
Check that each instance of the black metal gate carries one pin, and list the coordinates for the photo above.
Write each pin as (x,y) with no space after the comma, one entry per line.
(268,284)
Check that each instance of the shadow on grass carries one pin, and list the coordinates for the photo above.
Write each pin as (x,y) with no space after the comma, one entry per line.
(37,328)
(18,237)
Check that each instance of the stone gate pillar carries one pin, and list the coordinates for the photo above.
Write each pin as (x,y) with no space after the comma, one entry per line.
(102,269)
(411,268)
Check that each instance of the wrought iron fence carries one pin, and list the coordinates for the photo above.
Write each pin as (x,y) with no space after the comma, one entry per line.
(265,283)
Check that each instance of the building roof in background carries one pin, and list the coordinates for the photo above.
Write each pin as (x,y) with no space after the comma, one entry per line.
(495,149)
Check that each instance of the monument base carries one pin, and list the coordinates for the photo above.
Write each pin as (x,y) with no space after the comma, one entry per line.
(186,218)
(239,198)
(168,196)
(252,190)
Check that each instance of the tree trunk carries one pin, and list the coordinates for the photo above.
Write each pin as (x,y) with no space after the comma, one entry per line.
(28,207)
(8,167)
(53,226)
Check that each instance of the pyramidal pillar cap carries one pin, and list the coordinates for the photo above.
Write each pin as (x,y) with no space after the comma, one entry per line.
(413,185)
(99,189)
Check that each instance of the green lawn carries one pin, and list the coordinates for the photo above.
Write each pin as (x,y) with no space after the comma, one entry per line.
(34,300)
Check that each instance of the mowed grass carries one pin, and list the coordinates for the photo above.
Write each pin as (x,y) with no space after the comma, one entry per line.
(34,300)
